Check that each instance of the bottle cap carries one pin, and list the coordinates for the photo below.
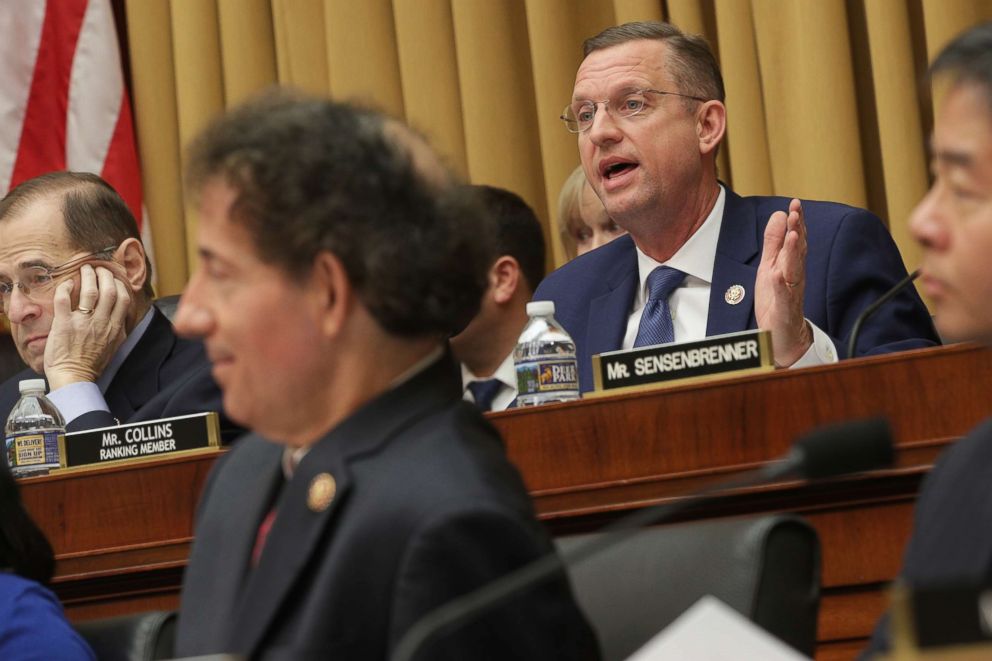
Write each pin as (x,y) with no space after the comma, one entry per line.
(28,385)
(540,308)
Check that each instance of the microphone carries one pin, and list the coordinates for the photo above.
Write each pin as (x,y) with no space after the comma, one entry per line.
(839,449)
(870,310)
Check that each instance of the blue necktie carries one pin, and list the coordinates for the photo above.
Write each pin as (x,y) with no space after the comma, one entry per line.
(656,319)
(485,392)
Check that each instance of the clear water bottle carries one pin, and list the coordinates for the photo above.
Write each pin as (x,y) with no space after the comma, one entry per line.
(34,432)
(547,370)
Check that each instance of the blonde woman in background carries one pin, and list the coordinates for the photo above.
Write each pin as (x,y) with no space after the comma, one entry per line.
(583,220)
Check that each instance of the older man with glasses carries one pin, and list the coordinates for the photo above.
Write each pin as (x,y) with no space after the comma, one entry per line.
(75,289)
(648,110)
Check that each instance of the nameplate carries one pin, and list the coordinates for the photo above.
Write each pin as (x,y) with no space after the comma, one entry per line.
(140,441)
(663,364)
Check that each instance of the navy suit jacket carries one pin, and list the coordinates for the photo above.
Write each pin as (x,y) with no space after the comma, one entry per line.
(952,527)
(426,507)
(851,260)
(163,376)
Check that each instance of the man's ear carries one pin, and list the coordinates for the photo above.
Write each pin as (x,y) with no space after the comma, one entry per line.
(504,278)
(132,255)
(711,124)
(332,292)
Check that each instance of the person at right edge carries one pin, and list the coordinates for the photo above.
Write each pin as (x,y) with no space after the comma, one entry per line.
(336,257)
(952,529)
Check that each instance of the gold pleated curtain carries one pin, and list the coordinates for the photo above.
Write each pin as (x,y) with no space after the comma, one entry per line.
(822,95)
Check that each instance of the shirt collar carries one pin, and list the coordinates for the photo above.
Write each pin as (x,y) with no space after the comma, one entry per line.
(291,458)
(103,382)
(696,257)
(506,373)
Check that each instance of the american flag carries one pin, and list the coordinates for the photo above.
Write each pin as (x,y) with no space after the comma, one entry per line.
(63,102)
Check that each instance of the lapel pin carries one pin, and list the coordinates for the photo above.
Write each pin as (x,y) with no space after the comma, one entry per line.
(734,294)
(322,488)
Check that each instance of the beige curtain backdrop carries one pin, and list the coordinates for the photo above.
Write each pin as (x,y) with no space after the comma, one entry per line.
(822,95)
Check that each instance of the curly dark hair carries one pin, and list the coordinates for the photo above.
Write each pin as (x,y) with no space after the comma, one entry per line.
(314,175)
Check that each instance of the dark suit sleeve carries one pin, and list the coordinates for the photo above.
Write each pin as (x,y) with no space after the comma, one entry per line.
(458,553)
(92,420)
(950,541)
(864,263)
(197,393)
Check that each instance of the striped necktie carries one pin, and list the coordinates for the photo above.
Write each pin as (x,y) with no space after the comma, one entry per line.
(656,319)
(484,392)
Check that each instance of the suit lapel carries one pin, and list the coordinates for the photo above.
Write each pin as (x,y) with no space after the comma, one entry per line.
(737,255)
(137,380)
(608,313)
(299,527)
(251,507)
(291,542)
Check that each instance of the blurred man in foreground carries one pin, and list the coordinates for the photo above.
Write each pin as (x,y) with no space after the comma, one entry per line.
(485,347)
(336,257)
(952,535)
(76,288)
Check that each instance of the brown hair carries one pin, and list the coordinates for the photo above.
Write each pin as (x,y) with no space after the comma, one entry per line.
(312,175)
(690,62)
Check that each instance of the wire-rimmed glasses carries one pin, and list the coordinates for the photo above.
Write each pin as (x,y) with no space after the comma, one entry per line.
(34,281)
(579,115)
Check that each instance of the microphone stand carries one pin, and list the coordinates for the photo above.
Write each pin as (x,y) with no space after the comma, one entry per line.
(870,310)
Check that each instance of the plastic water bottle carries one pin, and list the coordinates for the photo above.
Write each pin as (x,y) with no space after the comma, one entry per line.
(34,432)
(547,370)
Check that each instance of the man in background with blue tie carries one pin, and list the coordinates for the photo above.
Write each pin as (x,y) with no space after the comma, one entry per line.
(699,260)
(485,347)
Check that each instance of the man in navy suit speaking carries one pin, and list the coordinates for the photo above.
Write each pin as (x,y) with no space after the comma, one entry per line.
(647,107)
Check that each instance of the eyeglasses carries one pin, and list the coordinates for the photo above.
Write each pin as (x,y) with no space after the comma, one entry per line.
(579,116)
(33,281)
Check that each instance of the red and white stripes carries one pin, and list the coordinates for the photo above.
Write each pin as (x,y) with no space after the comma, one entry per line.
(63,103)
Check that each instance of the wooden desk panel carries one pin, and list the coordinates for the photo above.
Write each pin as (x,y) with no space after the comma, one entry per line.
(586,463)
(122,535)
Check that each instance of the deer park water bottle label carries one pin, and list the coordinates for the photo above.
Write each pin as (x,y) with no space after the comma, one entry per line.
(547,375)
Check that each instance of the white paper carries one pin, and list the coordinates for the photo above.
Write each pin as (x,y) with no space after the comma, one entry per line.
(713,631)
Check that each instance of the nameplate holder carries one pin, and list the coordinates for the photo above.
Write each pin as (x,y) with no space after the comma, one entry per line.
(646,368)
(141,441)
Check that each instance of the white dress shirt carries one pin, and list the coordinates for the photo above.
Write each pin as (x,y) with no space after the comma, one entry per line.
(689,303)
(507,375)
